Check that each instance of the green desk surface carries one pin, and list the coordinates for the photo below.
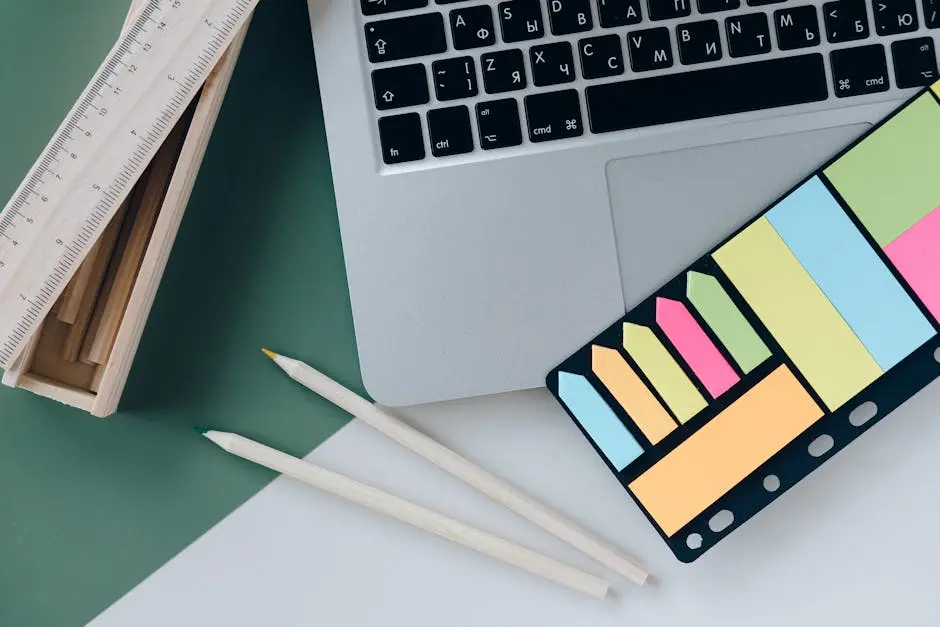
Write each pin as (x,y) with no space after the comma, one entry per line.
(88,508)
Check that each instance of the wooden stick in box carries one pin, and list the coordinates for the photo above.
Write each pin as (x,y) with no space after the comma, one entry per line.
(110,309)
(94,269)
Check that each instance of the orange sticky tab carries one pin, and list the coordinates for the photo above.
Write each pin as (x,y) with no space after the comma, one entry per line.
(726,450)
(632,394)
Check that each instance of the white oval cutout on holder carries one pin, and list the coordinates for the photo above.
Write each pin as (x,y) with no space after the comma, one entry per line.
(821,445)
(771,483)
(863,413)
(694,541)
(721,521)
(936,355)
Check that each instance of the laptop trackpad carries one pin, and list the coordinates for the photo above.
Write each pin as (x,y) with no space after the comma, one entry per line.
(670,208)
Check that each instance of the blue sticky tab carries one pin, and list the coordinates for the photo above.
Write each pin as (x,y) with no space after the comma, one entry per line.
(599,420)
(849,272)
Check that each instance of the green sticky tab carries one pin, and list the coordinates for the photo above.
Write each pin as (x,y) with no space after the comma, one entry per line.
(726,321)
(889,179)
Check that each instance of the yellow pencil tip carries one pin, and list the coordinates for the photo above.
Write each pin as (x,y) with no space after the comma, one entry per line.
(270,354)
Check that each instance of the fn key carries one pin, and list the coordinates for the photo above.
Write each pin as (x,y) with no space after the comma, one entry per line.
(401,138)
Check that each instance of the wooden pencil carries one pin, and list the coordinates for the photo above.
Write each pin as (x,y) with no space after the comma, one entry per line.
(110,311)
(408,512)
(95,268)
(463,469)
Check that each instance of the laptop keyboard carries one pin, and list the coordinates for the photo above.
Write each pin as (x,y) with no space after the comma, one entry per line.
(457,76)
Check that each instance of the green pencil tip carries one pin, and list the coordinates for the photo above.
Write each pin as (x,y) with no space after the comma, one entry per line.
(202,430)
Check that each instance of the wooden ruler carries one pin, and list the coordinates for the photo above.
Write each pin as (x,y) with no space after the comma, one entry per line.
(90,166)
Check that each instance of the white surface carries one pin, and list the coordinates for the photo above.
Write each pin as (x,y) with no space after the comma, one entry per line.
(854,545)
(460,467)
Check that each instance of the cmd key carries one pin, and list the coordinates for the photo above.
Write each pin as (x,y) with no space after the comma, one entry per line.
(405,37)
(859,71)
(706,93)
(554,115)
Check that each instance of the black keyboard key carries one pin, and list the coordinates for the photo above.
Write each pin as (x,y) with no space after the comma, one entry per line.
(498,122)
(894,16)
(521,20)
(747,35)
(401,138)
(601,56)
(668,9)
(915,62)
(699,42)
(454,78)
(552,64)
(859,71)
(713,6)
(503,71)
(797,27)
(846,20)
(449,131)
(403,86)
(649,49)
(932,13)
(555,115)
(472,27)
(706,93)
(569,16)
(378,7)
(406,37)
(760,3)
(613,13)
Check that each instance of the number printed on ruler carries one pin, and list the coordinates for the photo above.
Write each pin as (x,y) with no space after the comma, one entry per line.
(138,94)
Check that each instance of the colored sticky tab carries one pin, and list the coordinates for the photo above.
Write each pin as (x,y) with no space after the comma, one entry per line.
(936,88)
(676,389)
(797,313)
(636,399)
(726,321)
(916,255)
(601,423)
(730,447)
(850,273)
(890,178)
(695,347)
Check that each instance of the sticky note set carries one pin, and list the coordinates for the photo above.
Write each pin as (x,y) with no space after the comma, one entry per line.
(808,325)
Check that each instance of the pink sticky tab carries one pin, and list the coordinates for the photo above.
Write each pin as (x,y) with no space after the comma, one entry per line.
(916,255)
(698,351)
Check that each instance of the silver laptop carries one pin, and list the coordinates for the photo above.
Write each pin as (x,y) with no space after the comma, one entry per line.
(511,175)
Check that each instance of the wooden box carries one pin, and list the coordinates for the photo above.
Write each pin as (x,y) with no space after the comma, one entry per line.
(83,364)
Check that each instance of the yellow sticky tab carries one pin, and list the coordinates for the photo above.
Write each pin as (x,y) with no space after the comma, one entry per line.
(797,313)
(680,394)
(936,88)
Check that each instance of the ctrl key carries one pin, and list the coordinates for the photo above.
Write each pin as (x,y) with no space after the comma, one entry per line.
(499,124)
(402,139)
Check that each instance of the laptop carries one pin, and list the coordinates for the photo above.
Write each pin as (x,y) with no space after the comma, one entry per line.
(511,175)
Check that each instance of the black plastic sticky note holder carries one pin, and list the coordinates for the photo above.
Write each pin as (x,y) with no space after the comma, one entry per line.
(779,347)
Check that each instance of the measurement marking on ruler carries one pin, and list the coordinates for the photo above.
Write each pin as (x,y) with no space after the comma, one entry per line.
(100,122)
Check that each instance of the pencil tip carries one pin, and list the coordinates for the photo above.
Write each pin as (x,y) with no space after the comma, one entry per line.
(202,430)
(270,354)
